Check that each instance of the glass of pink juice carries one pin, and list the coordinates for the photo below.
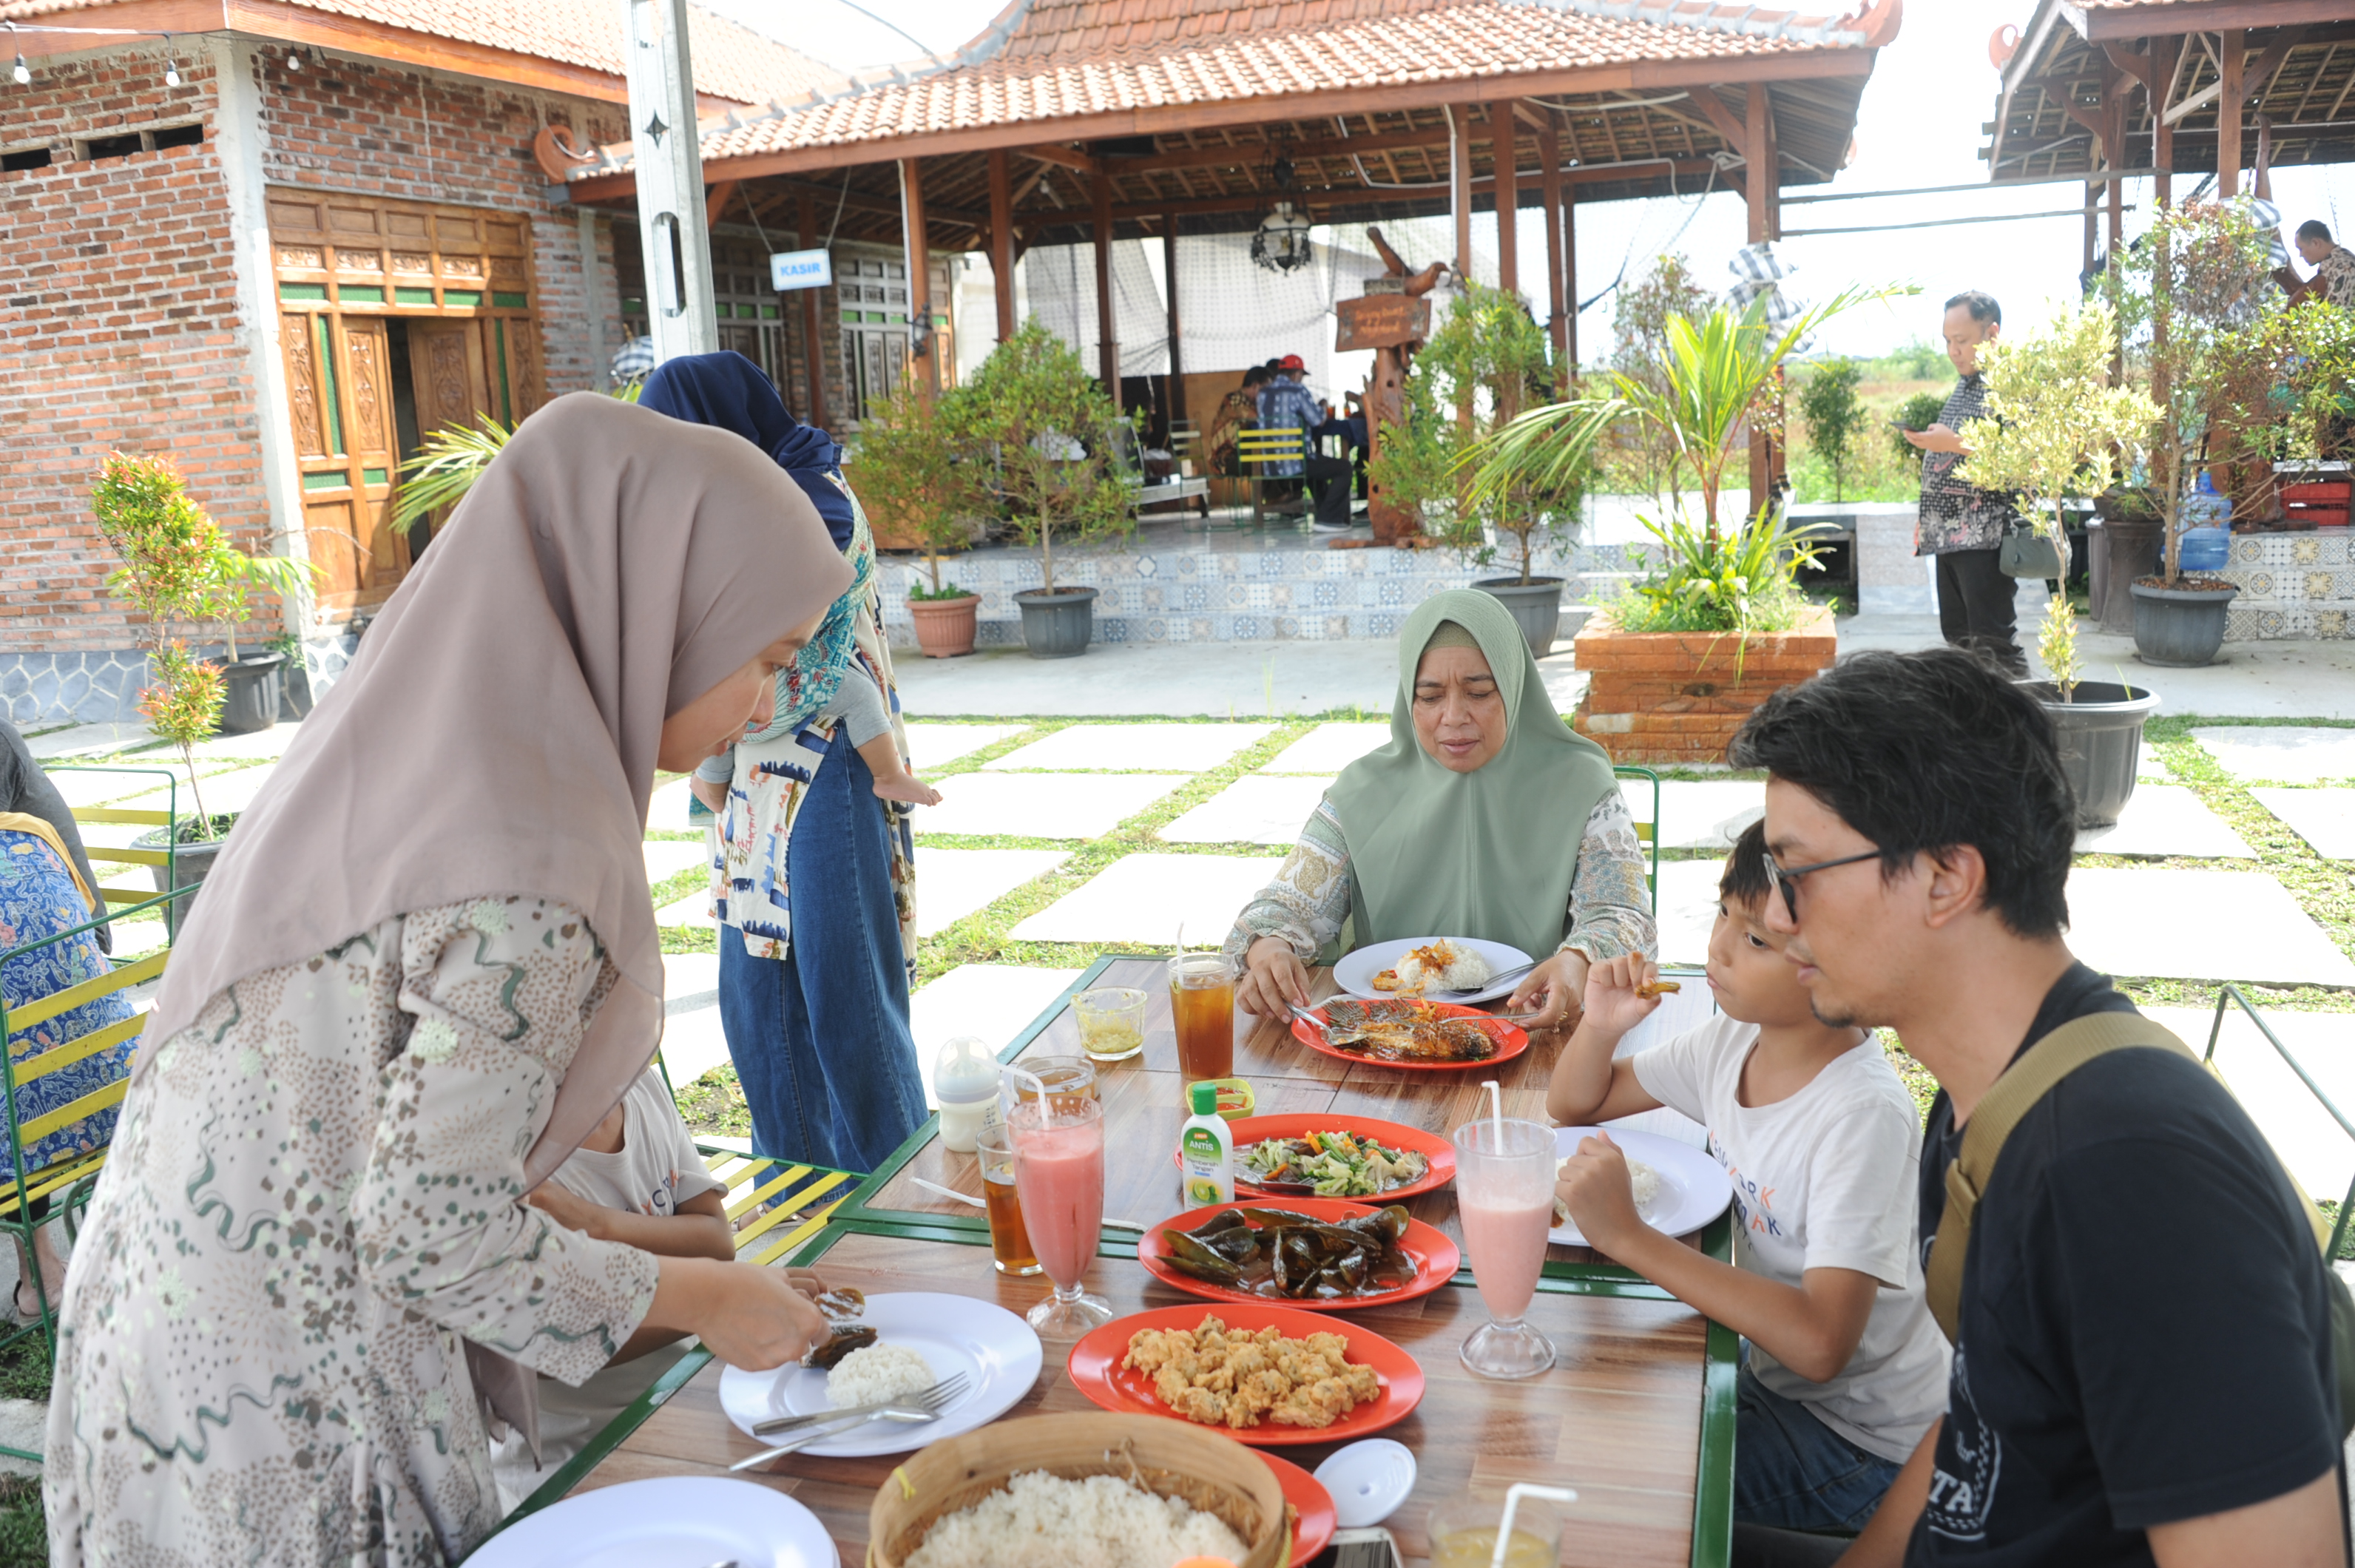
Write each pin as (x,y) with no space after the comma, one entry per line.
(1504,1197)
(1059,1175)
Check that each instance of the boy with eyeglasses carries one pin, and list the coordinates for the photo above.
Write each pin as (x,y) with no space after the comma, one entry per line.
(2142,1366)
(1843,1369)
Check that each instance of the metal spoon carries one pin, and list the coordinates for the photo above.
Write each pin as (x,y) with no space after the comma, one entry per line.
(911,1414)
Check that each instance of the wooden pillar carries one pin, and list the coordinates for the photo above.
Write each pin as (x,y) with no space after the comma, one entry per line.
(1170,280)
(2164,54)
(1001,241)
(1759,182)
(2231,55)
(917,245)
(1107,323)
(1459,184)
(1570,274)
(1565,331)
(1502,138)
(2093,227)
(811,327)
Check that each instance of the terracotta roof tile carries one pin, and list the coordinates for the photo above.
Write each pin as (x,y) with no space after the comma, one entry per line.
(731,61)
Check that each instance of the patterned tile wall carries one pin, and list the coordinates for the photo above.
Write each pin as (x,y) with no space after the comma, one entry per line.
(102,686)
(2292,586)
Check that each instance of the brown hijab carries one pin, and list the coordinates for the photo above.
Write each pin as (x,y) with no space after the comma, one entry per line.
(496,733)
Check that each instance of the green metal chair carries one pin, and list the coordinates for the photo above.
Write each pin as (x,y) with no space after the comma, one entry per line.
(781,1190)
(1647,828)
(2231,997)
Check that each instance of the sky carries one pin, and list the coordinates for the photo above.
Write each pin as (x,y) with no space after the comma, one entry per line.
(1919,125)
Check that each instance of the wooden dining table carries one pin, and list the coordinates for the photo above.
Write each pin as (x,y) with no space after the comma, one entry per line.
(1636,1415)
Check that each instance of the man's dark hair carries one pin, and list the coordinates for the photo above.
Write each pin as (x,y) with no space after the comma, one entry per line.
(1255,376)
(1743,882)
(1922,752)
(2315,229)
(1980,303)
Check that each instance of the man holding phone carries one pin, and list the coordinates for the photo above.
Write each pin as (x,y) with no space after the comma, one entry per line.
(1960,524)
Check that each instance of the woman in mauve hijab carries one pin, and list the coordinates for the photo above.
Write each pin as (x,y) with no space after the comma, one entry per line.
(425,966)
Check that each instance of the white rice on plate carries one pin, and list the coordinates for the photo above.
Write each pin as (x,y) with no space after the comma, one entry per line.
(1462,969)
(1043,1520)
(875,1373)
(1641,1176)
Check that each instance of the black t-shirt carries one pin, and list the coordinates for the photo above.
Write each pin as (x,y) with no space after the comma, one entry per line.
(2143,1333)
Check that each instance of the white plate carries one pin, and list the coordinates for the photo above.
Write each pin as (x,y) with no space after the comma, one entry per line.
(998,1352)
(1355,971)
(672,1521)
(1694,1189)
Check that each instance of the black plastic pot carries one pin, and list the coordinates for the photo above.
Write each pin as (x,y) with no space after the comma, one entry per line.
(190,866)
(252,702)
(2101,742)
(1057,625)
(1536,607)
(2131,550)
(2179,628)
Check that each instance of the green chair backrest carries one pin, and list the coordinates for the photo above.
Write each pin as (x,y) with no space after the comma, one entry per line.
(1282,445)
(1647,827)
(2255,1071)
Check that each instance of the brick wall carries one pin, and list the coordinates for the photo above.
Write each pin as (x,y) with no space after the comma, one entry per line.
(118,319)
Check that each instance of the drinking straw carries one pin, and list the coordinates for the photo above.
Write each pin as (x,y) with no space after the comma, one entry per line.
(1513,1495)
(1046,1112)
(1496,1112)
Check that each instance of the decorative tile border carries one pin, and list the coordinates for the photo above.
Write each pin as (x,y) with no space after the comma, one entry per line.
(2292,586)
(102,686)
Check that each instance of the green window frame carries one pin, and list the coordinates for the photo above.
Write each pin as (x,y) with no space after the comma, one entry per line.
(330,384)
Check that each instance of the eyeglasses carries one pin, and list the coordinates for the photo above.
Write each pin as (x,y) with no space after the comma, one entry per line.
(1786,882)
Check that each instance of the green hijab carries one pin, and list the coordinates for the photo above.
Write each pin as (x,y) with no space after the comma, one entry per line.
(1488,853)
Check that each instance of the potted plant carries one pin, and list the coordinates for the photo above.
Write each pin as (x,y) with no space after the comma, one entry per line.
(253,686)
(2187,299)
(907,469)
(2053,426)
(1037,426)
(1720,624)
(1836,418)
(1486,362)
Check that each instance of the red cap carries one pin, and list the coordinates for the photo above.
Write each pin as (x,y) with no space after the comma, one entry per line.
(1292,362)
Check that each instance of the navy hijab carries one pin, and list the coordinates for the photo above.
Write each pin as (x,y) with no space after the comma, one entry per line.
(729,391)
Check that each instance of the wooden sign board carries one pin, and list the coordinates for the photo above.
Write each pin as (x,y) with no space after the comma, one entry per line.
(1381,321)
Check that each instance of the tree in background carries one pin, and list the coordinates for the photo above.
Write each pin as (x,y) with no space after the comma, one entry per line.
(1643,454)
(1835,417)
(1919,412)
(1041,429)
(907,472)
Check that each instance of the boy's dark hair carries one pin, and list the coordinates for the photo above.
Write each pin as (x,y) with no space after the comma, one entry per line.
(1980,303)
(1743,882)
(2314,228)
(1921,752)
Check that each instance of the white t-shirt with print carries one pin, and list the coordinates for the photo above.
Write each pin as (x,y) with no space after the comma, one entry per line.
(1825,1178)
(656,1168)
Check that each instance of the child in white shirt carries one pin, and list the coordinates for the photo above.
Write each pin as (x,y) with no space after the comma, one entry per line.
(636,1180)
(1845,1368)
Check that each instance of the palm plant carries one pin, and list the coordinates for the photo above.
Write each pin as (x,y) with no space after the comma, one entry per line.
(447,464)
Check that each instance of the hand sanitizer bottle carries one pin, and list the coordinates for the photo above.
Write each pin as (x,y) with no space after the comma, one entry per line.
(1205,1150)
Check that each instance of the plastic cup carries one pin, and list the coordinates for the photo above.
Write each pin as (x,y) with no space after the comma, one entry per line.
(1112,1022)
(1504,1200)
(1059,1173)
(1063,1076)
(1010,1239)
(1462,1530)
(1202,1002)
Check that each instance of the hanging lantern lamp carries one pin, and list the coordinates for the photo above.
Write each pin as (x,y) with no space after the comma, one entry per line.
(1282,243)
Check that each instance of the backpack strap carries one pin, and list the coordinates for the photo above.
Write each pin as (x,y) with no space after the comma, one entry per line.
(2008,1099)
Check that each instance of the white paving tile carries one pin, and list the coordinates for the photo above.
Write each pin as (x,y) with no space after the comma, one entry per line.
(929,745)
(1328,748)
(2325,818)
(271,743)
(1177,748)
(2167,819)
(1144,898)
(693,1042)
(2150,768)
(693,910)
(953,883)
(666,812)
(1043,805)
(1687,909)
(134,937)
(666,858)
(110,784)
(992,1002)
(2199,925)
(222,792)
(2287,754)
(1255,810)
(1699,815)
(2316,1149)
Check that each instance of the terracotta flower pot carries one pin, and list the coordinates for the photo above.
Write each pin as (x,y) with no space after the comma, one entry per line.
(944,628)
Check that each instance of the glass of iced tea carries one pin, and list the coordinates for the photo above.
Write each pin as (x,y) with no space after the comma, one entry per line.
(1202,998)
(1010,1240)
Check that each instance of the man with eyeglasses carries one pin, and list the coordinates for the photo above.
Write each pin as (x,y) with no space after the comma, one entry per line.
(2141,1370)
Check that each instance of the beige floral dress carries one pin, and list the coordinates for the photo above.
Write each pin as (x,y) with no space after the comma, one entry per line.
(313,1196)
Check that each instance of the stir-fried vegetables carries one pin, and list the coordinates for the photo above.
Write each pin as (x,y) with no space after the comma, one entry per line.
(1335,1164)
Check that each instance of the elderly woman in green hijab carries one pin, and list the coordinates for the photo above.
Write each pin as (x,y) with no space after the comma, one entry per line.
(1485,815)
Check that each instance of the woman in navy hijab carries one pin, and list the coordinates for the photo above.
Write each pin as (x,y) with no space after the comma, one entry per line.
(813,876)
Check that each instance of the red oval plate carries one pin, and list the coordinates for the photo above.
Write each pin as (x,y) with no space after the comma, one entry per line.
(1436,1257)
(1096,1371)
(1310,1501)
(1511,1040)
(1439,1151)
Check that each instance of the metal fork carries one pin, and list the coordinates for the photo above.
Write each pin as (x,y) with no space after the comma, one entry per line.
(1494,980)
(922,1408)
(939,1394)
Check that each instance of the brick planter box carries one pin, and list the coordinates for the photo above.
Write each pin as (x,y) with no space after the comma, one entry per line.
(1675,697)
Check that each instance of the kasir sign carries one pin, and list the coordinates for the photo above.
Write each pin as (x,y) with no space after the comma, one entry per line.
(801,270)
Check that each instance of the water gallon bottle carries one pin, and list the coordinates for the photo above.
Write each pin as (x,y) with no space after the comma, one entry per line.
(964,1080)
(2208,527)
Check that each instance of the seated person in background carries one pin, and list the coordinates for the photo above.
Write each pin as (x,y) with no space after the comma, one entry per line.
(636,1180)
(1485,816)
(1845,1369)
(2143,1370)
(1286,403)
(859,704)
(2333,264)
(1237,412)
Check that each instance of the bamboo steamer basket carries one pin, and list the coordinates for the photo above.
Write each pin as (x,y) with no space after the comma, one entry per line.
(1198,1467)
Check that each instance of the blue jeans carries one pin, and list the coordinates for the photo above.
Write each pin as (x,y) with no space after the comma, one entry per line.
(1792,1471)
(820,1037)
